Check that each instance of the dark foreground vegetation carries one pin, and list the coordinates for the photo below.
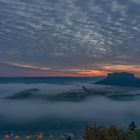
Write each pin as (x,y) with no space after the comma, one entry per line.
(90,133)
(111,133)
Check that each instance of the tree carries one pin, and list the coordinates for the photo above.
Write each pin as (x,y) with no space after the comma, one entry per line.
(132,126)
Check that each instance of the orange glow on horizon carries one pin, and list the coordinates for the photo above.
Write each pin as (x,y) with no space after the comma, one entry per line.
(101,70)
(93,73)
(126,68)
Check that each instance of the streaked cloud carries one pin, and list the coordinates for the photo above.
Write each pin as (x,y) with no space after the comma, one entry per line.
(29,70)
(70,34)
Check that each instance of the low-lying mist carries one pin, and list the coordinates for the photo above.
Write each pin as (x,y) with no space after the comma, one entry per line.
(100,109)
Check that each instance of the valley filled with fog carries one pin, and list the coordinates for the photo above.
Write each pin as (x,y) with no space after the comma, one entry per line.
(67,106)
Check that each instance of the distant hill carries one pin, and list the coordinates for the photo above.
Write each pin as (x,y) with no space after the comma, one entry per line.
(26,94)
(50,80)
(121,79)
(78,95)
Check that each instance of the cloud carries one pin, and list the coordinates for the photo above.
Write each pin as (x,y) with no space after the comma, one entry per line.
(136,1)
(15,69)
(69,33)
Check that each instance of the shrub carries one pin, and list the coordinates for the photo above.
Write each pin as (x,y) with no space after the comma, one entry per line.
(104,133)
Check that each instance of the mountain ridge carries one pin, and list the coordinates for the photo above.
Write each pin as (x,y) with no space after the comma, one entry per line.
(120,79)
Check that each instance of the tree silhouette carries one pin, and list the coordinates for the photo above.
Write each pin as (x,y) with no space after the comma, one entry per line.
(132,126)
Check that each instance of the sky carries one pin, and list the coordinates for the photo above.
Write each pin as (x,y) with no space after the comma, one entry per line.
(69,37)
